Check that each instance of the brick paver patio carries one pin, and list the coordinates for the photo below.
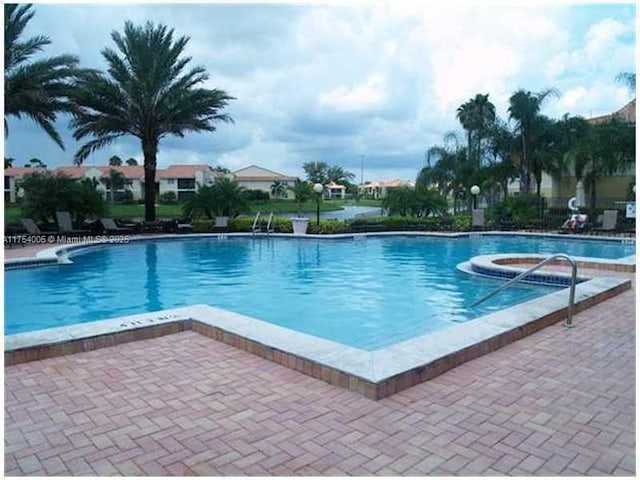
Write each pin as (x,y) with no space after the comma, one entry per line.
(557,402)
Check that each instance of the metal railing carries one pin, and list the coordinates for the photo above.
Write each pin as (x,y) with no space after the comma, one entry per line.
(572,291)
(255,223)
(270,229)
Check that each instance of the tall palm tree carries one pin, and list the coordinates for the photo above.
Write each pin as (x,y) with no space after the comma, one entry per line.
(524,107)
(476,116)
(36,89)
(145,93)
(115,161)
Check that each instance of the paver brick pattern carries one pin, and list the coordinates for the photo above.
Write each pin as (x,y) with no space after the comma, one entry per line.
(558,402)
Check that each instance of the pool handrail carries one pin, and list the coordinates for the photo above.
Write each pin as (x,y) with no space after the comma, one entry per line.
(572,291)
(255,222)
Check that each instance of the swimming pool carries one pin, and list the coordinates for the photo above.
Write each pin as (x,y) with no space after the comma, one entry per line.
(367,294)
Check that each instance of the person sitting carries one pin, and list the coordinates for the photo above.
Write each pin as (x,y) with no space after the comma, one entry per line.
(576,223)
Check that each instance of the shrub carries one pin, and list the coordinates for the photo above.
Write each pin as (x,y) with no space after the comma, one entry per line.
(415,202)
(224,198)
(169,198)
(256,195)
(45,194)
(328,227)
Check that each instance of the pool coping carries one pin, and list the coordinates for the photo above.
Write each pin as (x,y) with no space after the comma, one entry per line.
(375,374)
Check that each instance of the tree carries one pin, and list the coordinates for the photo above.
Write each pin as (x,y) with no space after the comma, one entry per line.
(221,169)
(115,161)
(476,116)
(316,172)
(416,202)
(8,162)
(607,149)
(45,194)
(132,162)
(278,189)
(114,182)
(337,174)
(628,79)
(502,147)
(36,163)
(524,107)
(36,89)
(145,93)
(302,192)
(225,198)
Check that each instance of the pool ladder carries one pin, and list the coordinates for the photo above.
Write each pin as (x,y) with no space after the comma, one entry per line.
(572,291)
(256,228)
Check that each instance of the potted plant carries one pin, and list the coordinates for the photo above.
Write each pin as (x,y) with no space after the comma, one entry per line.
(302,192)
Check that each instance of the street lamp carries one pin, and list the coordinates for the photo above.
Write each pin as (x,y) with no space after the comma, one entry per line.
(318,188)
(475,190)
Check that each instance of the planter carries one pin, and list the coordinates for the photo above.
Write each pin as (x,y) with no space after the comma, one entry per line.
(300,225)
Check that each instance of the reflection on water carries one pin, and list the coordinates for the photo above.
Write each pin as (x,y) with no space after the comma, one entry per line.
(152,285)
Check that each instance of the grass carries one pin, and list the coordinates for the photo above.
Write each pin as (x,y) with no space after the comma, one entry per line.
(12,212)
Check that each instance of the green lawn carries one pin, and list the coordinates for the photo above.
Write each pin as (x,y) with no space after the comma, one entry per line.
(12,213)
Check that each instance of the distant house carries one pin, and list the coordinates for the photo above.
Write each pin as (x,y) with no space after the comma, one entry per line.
(378,189)
(259,178)
(133,178)
(334,190)
(184,180)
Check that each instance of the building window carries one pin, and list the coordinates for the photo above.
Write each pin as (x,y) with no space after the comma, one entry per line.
(186,184)
(171,181)
(7,183)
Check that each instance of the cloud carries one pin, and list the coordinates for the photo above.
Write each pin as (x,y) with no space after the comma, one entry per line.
(335,82)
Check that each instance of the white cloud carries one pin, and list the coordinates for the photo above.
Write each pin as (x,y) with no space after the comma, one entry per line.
(365,96)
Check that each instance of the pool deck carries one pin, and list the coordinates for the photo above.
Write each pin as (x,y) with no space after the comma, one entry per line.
(556,402)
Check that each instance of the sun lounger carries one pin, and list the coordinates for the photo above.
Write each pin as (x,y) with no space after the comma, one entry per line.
(63,219)
(111,227)
(477,219)
(609,221)
(30,226)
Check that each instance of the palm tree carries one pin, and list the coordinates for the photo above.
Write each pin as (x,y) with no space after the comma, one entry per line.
(629,79)
(132,162)
(524,107)
(145,93)
(8,162)
(337,174)
(115,181)
(316,171)
(115,161)
(36,89)
(607,149)
(302,192)
(476,116)
(278,189)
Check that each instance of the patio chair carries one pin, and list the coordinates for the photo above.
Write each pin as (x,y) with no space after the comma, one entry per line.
(111,227)
(609,221)
(30,226)
(221,224)
(477,219)
(63,219)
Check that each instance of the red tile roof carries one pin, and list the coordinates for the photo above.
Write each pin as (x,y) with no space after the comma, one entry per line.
(185,171)
(21,171)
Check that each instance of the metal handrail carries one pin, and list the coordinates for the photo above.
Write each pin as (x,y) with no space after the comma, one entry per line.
(255,221)
(572,291)
(269,229)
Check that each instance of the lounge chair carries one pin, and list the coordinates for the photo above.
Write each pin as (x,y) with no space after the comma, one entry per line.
(609,221)
(221,224)
(30,226)
(63,219)
(477,219)
(111,227)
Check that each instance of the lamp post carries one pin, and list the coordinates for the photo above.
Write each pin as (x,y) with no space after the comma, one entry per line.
(318,188)
(475,190)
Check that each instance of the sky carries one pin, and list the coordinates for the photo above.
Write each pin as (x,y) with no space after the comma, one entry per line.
(356,84)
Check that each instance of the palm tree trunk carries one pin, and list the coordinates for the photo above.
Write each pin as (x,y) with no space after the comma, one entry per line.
(150,151)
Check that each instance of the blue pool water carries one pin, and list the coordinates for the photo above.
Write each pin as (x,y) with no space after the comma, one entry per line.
(368,294)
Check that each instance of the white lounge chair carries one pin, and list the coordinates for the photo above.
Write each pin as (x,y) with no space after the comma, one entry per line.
(477,219)
(63,219)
